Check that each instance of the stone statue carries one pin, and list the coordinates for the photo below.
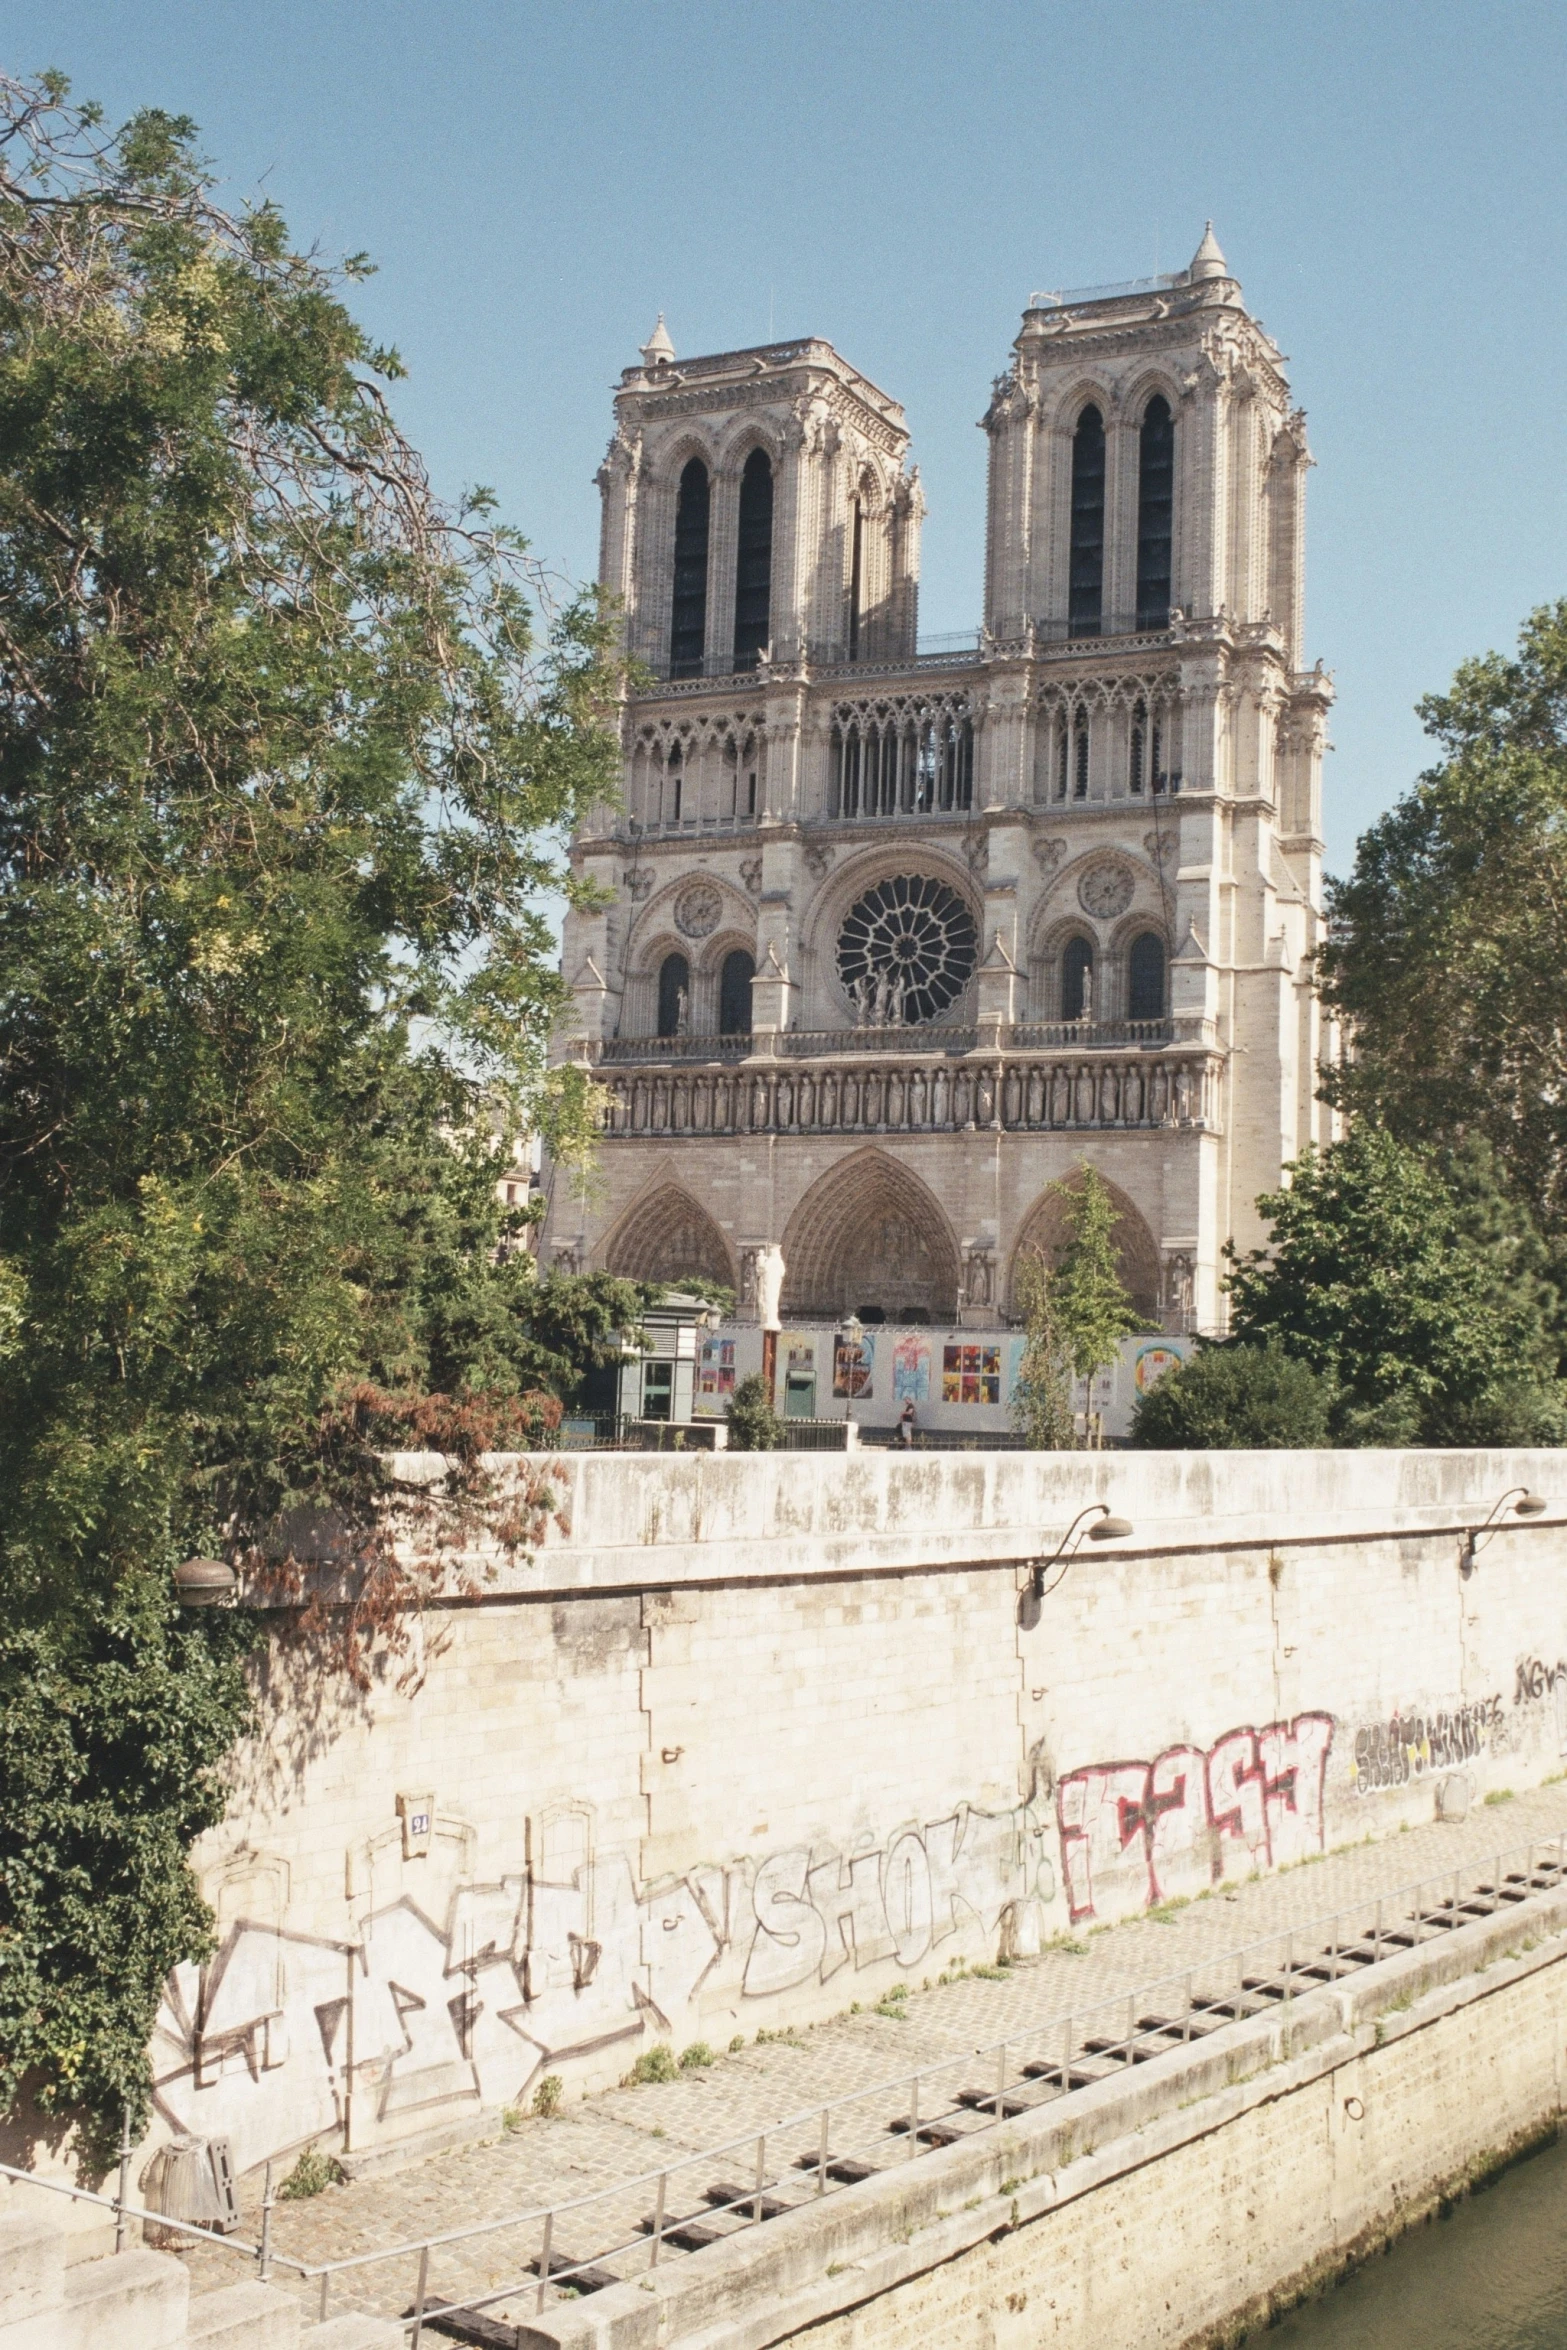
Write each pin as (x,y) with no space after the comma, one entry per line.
(769,1285)
(682,1012)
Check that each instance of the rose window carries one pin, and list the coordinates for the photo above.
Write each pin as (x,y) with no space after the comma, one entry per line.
(906,951)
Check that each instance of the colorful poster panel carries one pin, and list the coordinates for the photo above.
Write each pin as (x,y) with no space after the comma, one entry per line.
(715,1375)
(971,1374)
(854,1366)
(911,1368)
(1150,1366)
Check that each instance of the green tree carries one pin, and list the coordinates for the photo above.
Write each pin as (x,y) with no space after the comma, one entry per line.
(1236,1398)
(1076,1312)
(1447,955)
(754,1425)
(1093,1308)
(1042,1396)
(288,754)
(1413,1289)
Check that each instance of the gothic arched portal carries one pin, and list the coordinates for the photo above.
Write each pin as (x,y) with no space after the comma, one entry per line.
(1137,1259)
(669,1237)
(870,1236)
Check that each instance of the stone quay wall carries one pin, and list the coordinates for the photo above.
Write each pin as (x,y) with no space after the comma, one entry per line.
(747,1738)
(1182,2205)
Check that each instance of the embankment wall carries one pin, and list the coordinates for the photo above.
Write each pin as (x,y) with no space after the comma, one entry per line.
(746,1738)
(1176,2207)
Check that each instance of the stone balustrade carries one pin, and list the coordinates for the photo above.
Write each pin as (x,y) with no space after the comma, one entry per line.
(866,1092)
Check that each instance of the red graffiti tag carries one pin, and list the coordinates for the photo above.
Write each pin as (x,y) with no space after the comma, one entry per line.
(1134,1833)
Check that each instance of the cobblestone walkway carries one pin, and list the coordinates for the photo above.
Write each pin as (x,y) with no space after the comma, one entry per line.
(622,2135)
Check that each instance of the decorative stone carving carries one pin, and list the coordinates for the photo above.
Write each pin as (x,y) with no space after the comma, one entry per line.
(751,875)
(1160,846)
(979,1277)
(978,853)
(699,909)
(637,880)
(769,1285)
(1048,853)
(1105,890)
(818,858)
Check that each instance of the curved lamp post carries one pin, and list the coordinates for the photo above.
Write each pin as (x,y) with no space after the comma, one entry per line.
(1523,1504)
(1107,1528)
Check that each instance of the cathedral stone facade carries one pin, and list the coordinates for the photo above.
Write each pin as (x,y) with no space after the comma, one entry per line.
(900,937)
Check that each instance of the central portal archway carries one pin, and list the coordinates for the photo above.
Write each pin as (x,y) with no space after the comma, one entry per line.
(869,1236)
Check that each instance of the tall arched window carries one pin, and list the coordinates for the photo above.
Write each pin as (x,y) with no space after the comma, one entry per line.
(1137,747)
(1155,513)
(1080,753)
(1077,966)
(734,994)
(1086,594)
(688,621)
(754,562)
(1145,978)
(856,577)
(674,995)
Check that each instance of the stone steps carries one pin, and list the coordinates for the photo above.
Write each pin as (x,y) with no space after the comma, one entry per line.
(140,2300)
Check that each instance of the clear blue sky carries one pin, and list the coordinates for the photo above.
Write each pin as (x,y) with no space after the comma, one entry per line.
(536,180)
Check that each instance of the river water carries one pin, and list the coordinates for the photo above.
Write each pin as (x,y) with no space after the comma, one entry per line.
(1491,2276)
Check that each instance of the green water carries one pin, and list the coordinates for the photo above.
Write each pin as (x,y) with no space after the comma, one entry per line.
(1491,2276)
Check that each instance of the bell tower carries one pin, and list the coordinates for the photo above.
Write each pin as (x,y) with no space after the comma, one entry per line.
(757,503)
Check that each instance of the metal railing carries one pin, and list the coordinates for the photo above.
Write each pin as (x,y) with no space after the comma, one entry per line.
(1053,300)
(700,2199)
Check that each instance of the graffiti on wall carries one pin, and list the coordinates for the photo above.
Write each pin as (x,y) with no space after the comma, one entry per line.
(817,1912)
(1408,1744)
(1540,1684)
(1390,1753)
(1137,1833)
(433,1993)
(441,1994)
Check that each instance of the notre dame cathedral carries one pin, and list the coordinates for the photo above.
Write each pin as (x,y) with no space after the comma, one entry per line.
(901,936)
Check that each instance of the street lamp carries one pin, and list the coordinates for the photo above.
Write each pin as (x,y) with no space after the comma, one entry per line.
(1524,1503)
(1106,1528)
(204,1583)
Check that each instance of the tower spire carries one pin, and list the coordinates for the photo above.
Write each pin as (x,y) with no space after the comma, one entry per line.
(1208,261)
(658,350)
